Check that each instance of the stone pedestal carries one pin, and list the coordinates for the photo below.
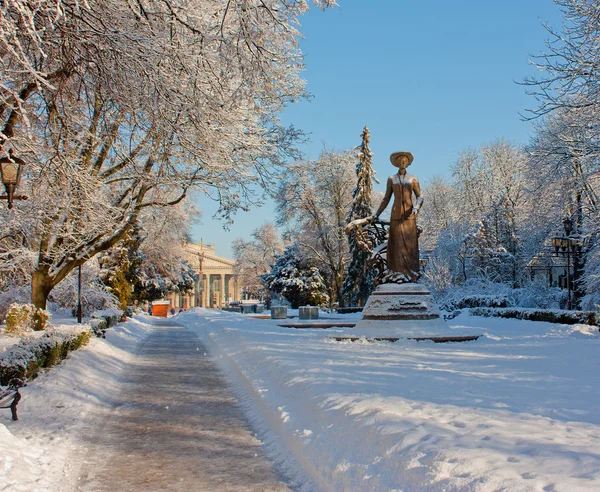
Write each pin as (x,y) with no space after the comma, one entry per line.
(247,308)
(402,311)
(278,312)
(308,312)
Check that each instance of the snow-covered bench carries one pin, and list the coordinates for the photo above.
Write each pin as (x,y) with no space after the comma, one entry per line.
(10,397)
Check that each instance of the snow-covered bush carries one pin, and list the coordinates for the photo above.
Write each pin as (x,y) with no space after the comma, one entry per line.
(478,292)
(21,318)
(475,300)
(538,294)
(549,315)
(104,319)
(25,359)
(438,276)
(591,302)
(13,295)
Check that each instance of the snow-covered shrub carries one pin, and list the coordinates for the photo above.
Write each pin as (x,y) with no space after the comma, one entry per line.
(25,359)
(99,327)
(549,315)
(21,318)
(437,275)
(478,292)
(538,294)
(477,300)
(13,295)
(591,302)
(104,319)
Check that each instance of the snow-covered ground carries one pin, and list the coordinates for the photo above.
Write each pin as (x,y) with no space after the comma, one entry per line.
(515,410)
(42,451)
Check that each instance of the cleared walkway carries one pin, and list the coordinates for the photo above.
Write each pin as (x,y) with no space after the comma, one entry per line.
(176,427)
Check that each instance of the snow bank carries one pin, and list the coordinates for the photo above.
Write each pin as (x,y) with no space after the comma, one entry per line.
(41,452)
(515,410)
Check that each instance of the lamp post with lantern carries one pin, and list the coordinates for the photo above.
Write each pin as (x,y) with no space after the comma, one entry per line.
(10,171)
(568,245)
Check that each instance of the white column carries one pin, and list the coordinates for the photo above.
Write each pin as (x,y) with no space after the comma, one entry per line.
(221,300)
(207,290)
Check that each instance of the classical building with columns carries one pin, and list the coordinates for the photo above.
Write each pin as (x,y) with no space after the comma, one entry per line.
(216,283)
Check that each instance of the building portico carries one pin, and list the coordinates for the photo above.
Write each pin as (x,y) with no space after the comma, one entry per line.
(216,283)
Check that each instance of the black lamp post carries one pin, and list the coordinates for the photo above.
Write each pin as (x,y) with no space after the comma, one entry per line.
(565,245)
(79,310)
(10,169)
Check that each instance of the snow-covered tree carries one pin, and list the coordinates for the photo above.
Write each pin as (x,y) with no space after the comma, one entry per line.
(124,107)
(294,278)
(491,186)
(163,267)
(358,281)
(254,257)
(489,259)
(566,146)
(313,201)
(438,212)
(95,295)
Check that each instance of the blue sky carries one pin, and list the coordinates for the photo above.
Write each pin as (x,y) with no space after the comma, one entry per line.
(431,77)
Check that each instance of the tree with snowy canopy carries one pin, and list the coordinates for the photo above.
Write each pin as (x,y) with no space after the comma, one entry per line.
(313,200)
(358,280)
(566,147)
(163,267)
(122,107)
(296,280)
(254,258)
(139,269)
(489,259)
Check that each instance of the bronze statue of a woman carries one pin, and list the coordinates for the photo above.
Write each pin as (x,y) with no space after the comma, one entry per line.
(402,247)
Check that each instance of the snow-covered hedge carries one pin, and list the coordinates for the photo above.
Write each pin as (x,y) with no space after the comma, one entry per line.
(25,359)
(478,300)
(349,310)
(550,315)
(104,319)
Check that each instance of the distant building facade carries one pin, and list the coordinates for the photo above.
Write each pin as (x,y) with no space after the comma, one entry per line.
(216,283)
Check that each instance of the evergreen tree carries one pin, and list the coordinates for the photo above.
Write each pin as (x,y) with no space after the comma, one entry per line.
(299,282)
(358,283)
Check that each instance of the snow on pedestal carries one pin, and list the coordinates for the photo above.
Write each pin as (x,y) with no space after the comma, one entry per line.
(403,311)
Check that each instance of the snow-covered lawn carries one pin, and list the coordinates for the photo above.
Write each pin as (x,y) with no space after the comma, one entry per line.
(515,410)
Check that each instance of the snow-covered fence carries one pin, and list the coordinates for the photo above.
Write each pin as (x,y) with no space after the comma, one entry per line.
(550,315)
(27,358)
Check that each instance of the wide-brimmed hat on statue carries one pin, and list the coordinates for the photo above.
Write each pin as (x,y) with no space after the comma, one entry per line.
(396,155)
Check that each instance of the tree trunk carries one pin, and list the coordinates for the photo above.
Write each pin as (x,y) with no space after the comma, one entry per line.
(339,287)
(41,285)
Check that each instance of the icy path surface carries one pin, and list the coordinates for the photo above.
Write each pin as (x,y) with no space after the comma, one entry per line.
(176,426)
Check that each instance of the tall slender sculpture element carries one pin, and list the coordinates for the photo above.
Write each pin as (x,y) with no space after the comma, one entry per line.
(403,245)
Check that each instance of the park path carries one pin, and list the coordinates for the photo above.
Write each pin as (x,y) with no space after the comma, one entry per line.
(176,426)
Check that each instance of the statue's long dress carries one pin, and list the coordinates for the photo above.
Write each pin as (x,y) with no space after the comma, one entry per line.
(403,248)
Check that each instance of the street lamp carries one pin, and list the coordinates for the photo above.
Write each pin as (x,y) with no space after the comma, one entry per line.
(565,245)
(79,310)
(10,169)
